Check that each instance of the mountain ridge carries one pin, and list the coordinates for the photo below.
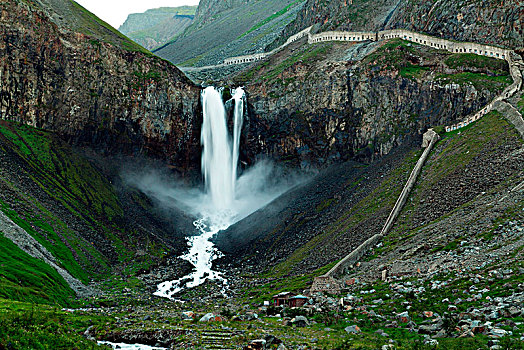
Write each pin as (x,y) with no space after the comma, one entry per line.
(155,27)
(231,29)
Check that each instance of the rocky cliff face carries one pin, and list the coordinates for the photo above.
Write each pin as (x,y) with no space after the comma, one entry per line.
(491,22)
(93,92)
(341,15)
(313,108)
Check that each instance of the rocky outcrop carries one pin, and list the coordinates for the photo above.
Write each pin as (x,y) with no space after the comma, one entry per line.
(340,15)
(487,22)
(320,110)
(92,92)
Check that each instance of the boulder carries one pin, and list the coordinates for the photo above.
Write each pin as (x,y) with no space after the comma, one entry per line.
(188,315)
(272,340)
(300,321)
(210,317)
(257,344)
(352,329)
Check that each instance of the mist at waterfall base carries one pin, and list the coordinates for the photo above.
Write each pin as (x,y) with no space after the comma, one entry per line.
(226,198)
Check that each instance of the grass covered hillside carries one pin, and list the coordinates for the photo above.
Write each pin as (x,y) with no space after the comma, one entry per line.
(72,209)
(23,277)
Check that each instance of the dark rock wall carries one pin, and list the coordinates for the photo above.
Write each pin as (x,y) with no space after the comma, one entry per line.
(93,93)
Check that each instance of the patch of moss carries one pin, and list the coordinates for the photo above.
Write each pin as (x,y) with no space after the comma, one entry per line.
(413,71)
(467,60)
(480,81)
(312,54)
(392,53)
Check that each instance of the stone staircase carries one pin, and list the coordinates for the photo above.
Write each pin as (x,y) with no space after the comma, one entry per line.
(217,339)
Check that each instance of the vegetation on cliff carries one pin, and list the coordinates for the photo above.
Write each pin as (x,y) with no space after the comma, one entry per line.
(379,94)
(67,205)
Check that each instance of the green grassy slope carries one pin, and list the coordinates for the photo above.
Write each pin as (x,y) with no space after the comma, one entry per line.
(26,326)
(455,173)
(67,205)
(25,278)
(68,179)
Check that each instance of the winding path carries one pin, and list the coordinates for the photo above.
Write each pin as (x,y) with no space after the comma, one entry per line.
(515,62)
(328,282)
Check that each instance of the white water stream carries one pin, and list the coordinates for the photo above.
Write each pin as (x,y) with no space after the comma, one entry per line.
(125,346)
(219,166)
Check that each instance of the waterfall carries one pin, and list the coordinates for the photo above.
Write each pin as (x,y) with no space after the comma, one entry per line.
(238,97)
(219,158)
(228,197)
(216,153)
(219,167)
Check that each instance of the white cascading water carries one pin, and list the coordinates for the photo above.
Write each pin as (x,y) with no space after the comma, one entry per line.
(219,166)
(217,155)
(238,97)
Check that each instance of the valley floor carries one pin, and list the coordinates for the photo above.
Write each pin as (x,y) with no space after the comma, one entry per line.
(455,278)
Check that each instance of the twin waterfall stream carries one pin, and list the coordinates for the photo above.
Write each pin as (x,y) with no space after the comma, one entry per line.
(219,166)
